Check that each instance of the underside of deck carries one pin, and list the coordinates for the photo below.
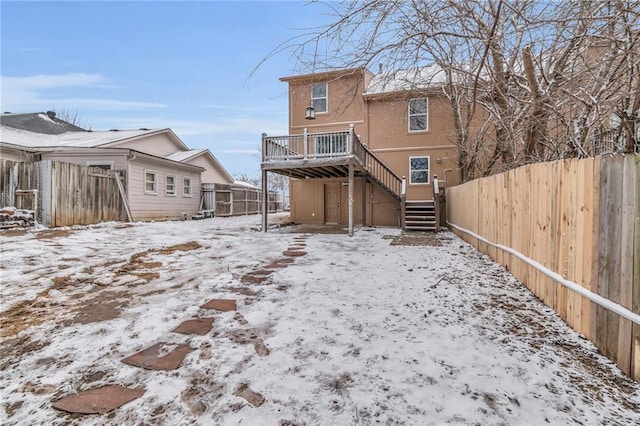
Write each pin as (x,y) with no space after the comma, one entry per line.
(314,168)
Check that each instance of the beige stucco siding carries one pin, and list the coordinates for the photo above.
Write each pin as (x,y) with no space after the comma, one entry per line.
(160,145)
(344,104)
(308,206)
(160,206)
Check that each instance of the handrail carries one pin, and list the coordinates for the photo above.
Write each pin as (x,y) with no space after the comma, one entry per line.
(436,201)
(376,168)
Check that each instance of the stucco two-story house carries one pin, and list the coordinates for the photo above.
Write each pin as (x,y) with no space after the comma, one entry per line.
(162,176)
(364,148)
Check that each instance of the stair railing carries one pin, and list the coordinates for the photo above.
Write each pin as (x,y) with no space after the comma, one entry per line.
(376,168)
(436,201)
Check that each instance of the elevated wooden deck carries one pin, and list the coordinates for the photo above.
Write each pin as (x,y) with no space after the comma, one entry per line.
(326,155)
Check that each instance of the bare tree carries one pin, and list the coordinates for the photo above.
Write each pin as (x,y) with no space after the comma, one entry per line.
(527,80)
(72,117)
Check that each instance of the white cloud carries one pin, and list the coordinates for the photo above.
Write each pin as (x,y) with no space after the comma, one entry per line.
(30,93)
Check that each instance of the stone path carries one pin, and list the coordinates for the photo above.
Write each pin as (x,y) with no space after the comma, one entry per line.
(166,356)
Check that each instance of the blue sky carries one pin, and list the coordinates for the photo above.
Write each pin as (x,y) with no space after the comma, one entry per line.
(183,65)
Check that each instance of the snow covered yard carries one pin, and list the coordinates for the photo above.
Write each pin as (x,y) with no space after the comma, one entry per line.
(379,328)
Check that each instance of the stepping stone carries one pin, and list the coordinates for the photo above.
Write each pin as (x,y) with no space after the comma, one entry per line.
(243,290)
(98,401)
(254,398)
(155,358)
(223,305)
(283,262)
(199,326)
(294,253)
(253,279)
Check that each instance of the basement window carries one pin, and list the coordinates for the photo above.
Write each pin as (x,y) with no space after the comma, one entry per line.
(150,182)
(319,98)
(418,170)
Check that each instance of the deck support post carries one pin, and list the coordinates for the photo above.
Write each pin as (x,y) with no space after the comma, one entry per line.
(364,201)
(351,199)
(265,200)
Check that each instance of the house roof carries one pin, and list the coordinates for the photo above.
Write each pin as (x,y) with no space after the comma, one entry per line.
(183,156)
(326,74)
(414,79)
(39,122)
(87,139)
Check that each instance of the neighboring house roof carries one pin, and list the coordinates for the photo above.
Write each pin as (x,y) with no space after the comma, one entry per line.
(184,156)
(86,139)
(414,79)
(39,122)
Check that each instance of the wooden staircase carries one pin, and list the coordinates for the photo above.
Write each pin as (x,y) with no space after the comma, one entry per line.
(420,216)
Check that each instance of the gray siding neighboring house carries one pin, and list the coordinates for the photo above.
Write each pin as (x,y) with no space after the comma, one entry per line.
(163,176)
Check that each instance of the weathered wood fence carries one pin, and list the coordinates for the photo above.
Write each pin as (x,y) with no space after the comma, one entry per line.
(234,200)
(578,218)
(67,194)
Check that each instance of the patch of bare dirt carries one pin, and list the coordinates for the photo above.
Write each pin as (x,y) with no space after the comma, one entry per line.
(13,232)
(49,234)
(191,245)
(104,306)
(414,239)
(14,348)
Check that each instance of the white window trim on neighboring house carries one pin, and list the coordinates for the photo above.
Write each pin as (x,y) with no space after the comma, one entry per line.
(189,193)
(410,114)
(411,170)
(154,182)
(167,185)
(325,97)
(101,164)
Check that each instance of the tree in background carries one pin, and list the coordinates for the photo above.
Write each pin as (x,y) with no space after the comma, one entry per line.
(527,81)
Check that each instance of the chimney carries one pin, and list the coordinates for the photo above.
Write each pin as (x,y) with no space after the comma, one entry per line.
(380,68)
(51,114)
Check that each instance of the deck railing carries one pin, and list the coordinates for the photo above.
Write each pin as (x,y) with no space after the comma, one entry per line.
(309,146)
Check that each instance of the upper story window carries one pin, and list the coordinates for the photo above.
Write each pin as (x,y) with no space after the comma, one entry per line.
(418,170)
(418,115)
(319,97)
(150,182)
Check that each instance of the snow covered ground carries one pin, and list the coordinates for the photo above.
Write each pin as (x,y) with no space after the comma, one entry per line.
(378,328)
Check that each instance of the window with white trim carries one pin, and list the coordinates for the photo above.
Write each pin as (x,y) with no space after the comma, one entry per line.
(170,185)
(107,165)
(418,112)
(419,170)
(319,98)
(186,187)
(150,182)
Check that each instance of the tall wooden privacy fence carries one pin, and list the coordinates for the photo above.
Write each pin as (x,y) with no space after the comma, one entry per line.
(234,200)
(578,218)
(67,194)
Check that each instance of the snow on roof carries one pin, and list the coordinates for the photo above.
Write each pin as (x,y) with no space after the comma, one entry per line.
(184,155)
(87,139)
(404,80)
(243,183)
